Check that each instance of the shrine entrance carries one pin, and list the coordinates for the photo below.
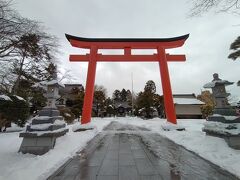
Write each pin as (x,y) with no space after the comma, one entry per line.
(94,44)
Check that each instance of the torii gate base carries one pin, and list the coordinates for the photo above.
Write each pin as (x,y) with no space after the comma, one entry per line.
(127,44)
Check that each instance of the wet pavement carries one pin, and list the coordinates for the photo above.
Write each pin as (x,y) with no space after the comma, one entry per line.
(126,152)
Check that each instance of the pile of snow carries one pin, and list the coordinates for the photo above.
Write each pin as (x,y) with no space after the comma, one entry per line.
(15,128)
(82,127)
(5,97)
(169,127)
(222,128)
(67,114)
(140,110)
(229,118)
(59,122)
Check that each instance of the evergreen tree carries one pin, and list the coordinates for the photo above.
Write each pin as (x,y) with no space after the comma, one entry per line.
(146,99)
(150,87)
(116,95)
(235,46)
(100,94)
(15,110)
(109,106)
(75,104)
(123,95)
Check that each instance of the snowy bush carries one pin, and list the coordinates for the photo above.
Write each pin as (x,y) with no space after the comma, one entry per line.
(67,114)
(16,111)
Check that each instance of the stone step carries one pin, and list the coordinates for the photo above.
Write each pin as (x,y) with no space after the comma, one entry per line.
(44,127)
(45,119)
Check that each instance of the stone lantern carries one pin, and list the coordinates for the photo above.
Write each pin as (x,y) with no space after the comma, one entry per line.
(220,96)
(224,122)
(41,134)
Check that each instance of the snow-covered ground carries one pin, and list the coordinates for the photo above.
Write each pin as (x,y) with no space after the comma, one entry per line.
(14,165)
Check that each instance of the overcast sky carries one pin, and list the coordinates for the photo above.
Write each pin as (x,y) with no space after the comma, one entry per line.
(206,49)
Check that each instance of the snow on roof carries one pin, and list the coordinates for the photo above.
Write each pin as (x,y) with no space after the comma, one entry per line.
(52,82)
(214,83)
(5,97)
(187,101)
(43,84)
(40,85)
(235,103)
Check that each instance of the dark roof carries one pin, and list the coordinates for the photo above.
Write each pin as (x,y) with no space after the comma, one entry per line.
(69,37)
(73,84)
(184,95)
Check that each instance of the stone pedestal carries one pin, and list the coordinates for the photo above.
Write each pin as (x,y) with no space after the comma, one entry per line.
(34,143)
(41,135)
(224,122)
(228,130)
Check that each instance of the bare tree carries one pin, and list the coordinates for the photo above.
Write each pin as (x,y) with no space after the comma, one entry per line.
(203,6)
(26,50)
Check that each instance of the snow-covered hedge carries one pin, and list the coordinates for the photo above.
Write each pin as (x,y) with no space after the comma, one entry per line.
(14,109)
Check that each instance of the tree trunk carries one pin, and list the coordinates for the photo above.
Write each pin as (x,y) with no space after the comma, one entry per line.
(16,85)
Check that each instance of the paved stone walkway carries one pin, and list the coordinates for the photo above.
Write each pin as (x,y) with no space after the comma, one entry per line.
(123,156)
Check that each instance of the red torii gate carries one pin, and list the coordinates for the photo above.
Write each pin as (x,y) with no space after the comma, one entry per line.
(93,44)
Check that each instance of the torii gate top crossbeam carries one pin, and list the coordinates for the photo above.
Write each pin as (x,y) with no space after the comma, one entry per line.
(121,43)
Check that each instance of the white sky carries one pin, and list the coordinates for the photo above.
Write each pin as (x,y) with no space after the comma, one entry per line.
(206,49)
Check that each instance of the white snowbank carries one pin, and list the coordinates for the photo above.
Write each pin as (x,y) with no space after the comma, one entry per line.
(222,128)
(229,118)
(169,126)
(14,165)
(59,122)
(15,128)
(5,97)
(79,127)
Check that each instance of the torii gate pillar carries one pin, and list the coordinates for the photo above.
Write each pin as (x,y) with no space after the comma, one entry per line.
(127,44)
(166,87)
(89,90)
